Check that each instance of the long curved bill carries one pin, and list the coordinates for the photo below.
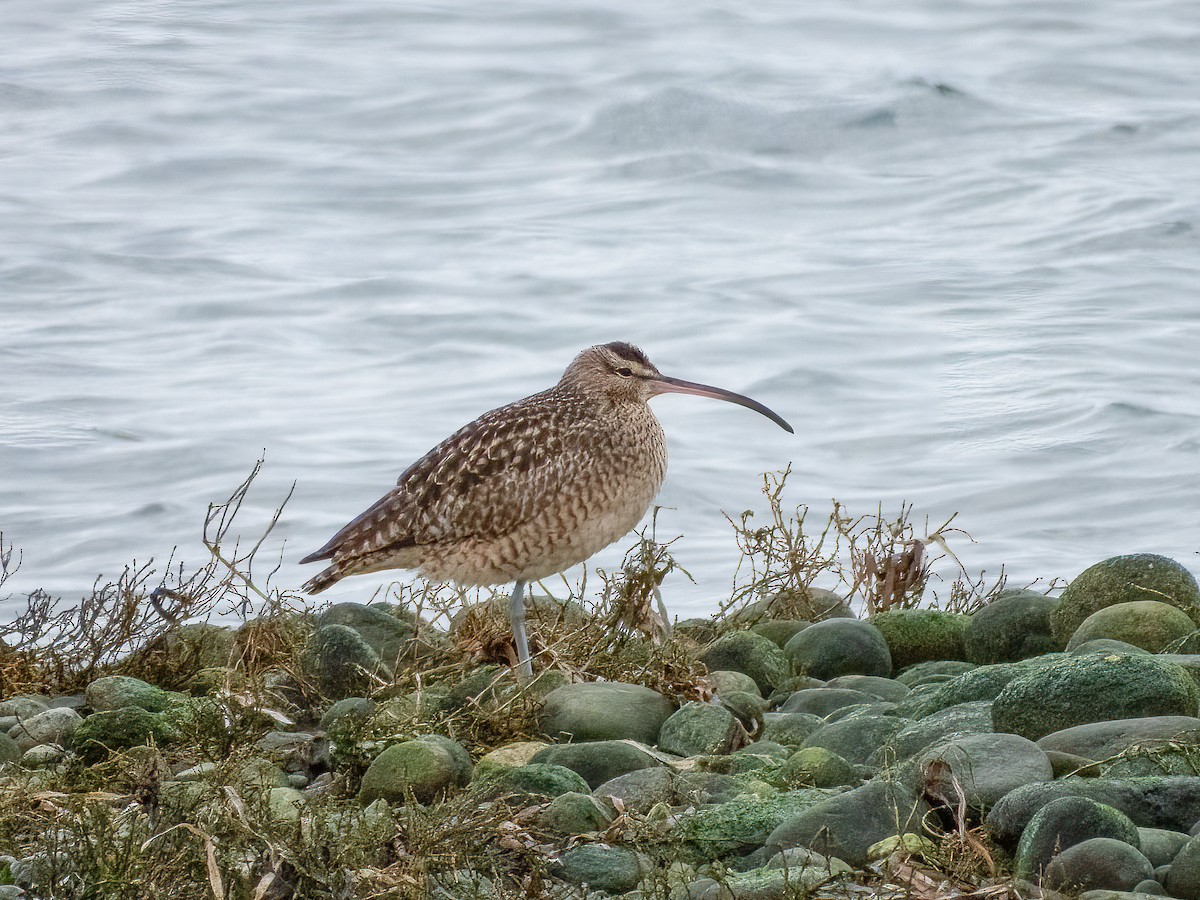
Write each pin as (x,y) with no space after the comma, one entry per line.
(666,385)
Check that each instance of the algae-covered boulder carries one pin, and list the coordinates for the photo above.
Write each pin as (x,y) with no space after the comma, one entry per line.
(751,654)
(119,729)
(1123,579)
(1014,626)
(1183,880)
(602,867)
(1101,740)
(981,683)
(699,729)
(118,691)
(575,812)
(1064,823)
(603,711)
(742,823)
(1170,802)
(823,701)
(934,672)
(921,635)
(423,769)
(599,761)
(780,631)
(1149,624)
(856,738)
(790,729)
(641,789)
(984,767)
(796,604)
(543,779)
(725,681)
(1100,863)
(952,722)
(884,688)
(846,825)
(344,664)
(839,647)
(385,634)
(1093,688)
(817,767)
(518,753)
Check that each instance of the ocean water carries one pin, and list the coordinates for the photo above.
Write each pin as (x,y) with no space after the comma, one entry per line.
(954,243)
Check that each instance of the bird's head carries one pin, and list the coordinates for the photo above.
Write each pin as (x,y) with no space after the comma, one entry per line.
(623,373)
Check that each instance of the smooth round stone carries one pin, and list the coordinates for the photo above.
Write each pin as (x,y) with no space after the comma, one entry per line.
(1064,823)
(535,779)
(1093,688)
(984,766)
(788,728)
(839,647)
(856,739)
(823,701)
(422,769)
(817,767)
(884,688)
(951,722)
(1122,579)
(1097,863)
(725,681)
(699,729)
(921,635)
(117,691)
(1149,624)
(605,710)
(1101,740)
(601,867)
(1014,626)
(751,654)
(54,726)
(641,789)
(576,813)
(1183,879)
(600,761)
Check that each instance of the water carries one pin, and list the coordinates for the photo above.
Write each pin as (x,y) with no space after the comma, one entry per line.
(954,243)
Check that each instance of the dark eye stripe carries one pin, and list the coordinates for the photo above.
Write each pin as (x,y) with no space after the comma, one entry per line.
(628,373)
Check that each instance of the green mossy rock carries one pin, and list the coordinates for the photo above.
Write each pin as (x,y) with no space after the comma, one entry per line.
(1097,863)
(575,812)
(1064,823)
(536,779)
(751,654)
(1093,688)
(817,767)
(780,631)
(952,722)
(424,769)
(743,823)
(520,753)
(857,738)
(984,767)
(839,647)
(887,689)
(119,691)
(699,729)
(846,825)
(788,728)
(200,645)
(922,635)
(803,604)
(935,672)
(344,664)
(599,761)
(1123,579)
(981,683)
(603,711)
(1149,624)
(601,867)
(119,729)
(1014,626)
(724,681)
(385,634)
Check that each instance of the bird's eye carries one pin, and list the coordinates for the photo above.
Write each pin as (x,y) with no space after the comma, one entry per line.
(625,373)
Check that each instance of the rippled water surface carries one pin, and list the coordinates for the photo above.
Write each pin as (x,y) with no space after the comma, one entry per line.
(955,243)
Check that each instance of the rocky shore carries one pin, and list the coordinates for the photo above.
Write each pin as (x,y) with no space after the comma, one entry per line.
(1037,747)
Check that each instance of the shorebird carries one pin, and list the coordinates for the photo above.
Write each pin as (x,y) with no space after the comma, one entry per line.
(527,490)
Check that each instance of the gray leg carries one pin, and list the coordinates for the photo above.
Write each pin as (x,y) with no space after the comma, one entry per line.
(662,609)
(516,618)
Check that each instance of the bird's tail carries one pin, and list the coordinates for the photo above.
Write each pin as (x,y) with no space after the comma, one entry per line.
(324,579)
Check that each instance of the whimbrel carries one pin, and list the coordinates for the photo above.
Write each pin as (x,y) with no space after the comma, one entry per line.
(527,490)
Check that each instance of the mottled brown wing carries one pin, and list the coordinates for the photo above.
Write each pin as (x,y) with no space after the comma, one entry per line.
(483,480)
